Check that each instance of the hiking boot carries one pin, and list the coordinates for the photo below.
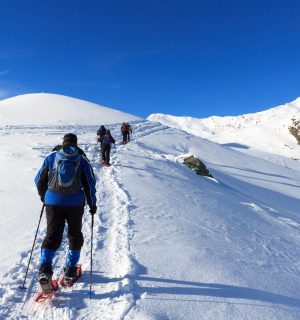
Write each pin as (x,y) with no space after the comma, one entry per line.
(45,278)
(45,274)
(70,273)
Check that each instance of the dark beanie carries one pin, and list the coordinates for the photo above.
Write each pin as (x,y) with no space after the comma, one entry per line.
(70,139)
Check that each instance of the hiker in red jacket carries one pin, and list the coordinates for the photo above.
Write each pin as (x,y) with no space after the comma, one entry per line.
(126,131)
(129,131)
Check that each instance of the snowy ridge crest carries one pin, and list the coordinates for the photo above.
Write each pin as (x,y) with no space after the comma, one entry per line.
(266,131)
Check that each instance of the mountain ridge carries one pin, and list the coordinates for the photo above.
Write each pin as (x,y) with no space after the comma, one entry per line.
(265,131)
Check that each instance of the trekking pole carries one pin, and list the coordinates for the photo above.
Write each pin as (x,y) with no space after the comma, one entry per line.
(37,229)
(91,267)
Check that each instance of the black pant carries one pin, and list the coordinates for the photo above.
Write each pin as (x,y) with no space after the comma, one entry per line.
(105,152)
(124,133)
(100,141)
(56,217)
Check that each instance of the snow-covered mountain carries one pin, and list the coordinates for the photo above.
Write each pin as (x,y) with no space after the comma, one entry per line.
(168,244)
(266,131)
(54,109)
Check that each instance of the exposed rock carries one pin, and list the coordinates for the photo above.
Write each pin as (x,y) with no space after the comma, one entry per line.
(295,129)
(197,165)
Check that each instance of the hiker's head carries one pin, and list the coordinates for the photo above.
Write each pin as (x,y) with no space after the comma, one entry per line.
(70,139)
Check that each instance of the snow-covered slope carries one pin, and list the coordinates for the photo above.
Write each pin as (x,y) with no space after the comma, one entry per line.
(50,109)
(265,131)
(168,244)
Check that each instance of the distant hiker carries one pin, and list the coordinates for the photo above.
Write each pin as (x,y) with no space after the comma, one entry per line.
(106,145)
(100,134)
(126,130)
(64,182)
(129,131)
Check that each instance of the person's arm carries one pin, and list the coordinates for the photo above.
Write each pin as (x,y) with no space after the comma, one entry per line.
(89,183)
(41,179)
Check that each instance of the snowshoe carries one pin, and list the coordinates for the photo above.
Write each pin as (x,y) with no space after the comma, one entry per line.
(72,273)
(48,290)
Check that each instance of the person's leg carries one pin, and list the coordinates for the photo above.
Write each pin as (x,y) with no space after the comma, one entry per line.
(53,238)
(74,220)
(124,137)
(55,229)
(103,153)
(107,155)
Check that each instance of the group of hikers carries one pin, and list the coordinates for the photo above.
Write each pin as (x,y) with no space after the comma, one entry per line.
(105,139)
(65,183)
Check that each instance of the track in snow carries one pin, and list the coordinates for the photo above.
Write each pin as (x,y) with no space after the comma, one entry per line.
(113,265)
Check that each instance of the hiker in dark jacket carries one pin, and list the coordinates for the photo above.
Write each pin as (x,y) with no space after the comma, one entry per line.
(106,145)
(65,182)
(100,134)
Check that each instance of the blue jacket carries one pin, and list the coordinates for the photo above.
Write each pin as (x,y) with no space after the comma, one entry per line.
(88,190)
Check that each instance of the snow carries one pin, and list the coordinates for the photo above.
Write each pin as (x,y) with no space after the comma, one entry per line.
(54,109)
(168,244)
(265,131)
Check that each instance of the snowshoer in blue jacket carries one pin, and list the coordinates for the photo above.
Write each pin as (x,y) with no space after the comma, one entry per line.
(65,182)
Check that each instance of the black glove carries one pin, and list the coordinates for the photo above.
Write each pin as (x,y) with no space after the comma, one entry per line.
(93,209)
(42,198)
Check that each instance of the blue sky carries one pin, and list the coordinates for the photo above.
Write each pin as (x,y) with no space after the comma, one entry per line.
(179,57)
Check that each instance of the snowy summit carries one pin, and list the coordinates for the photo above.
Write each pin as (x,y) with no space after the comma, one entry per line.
(168,243)
(54,109)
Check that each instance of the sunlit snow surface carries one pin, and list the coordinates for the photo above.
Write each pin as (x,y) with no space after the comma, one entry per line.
(168,244)
(265,132)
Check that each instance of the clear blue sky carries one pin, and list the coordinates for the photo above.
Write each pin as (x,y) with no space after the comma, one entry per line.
(180,57)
